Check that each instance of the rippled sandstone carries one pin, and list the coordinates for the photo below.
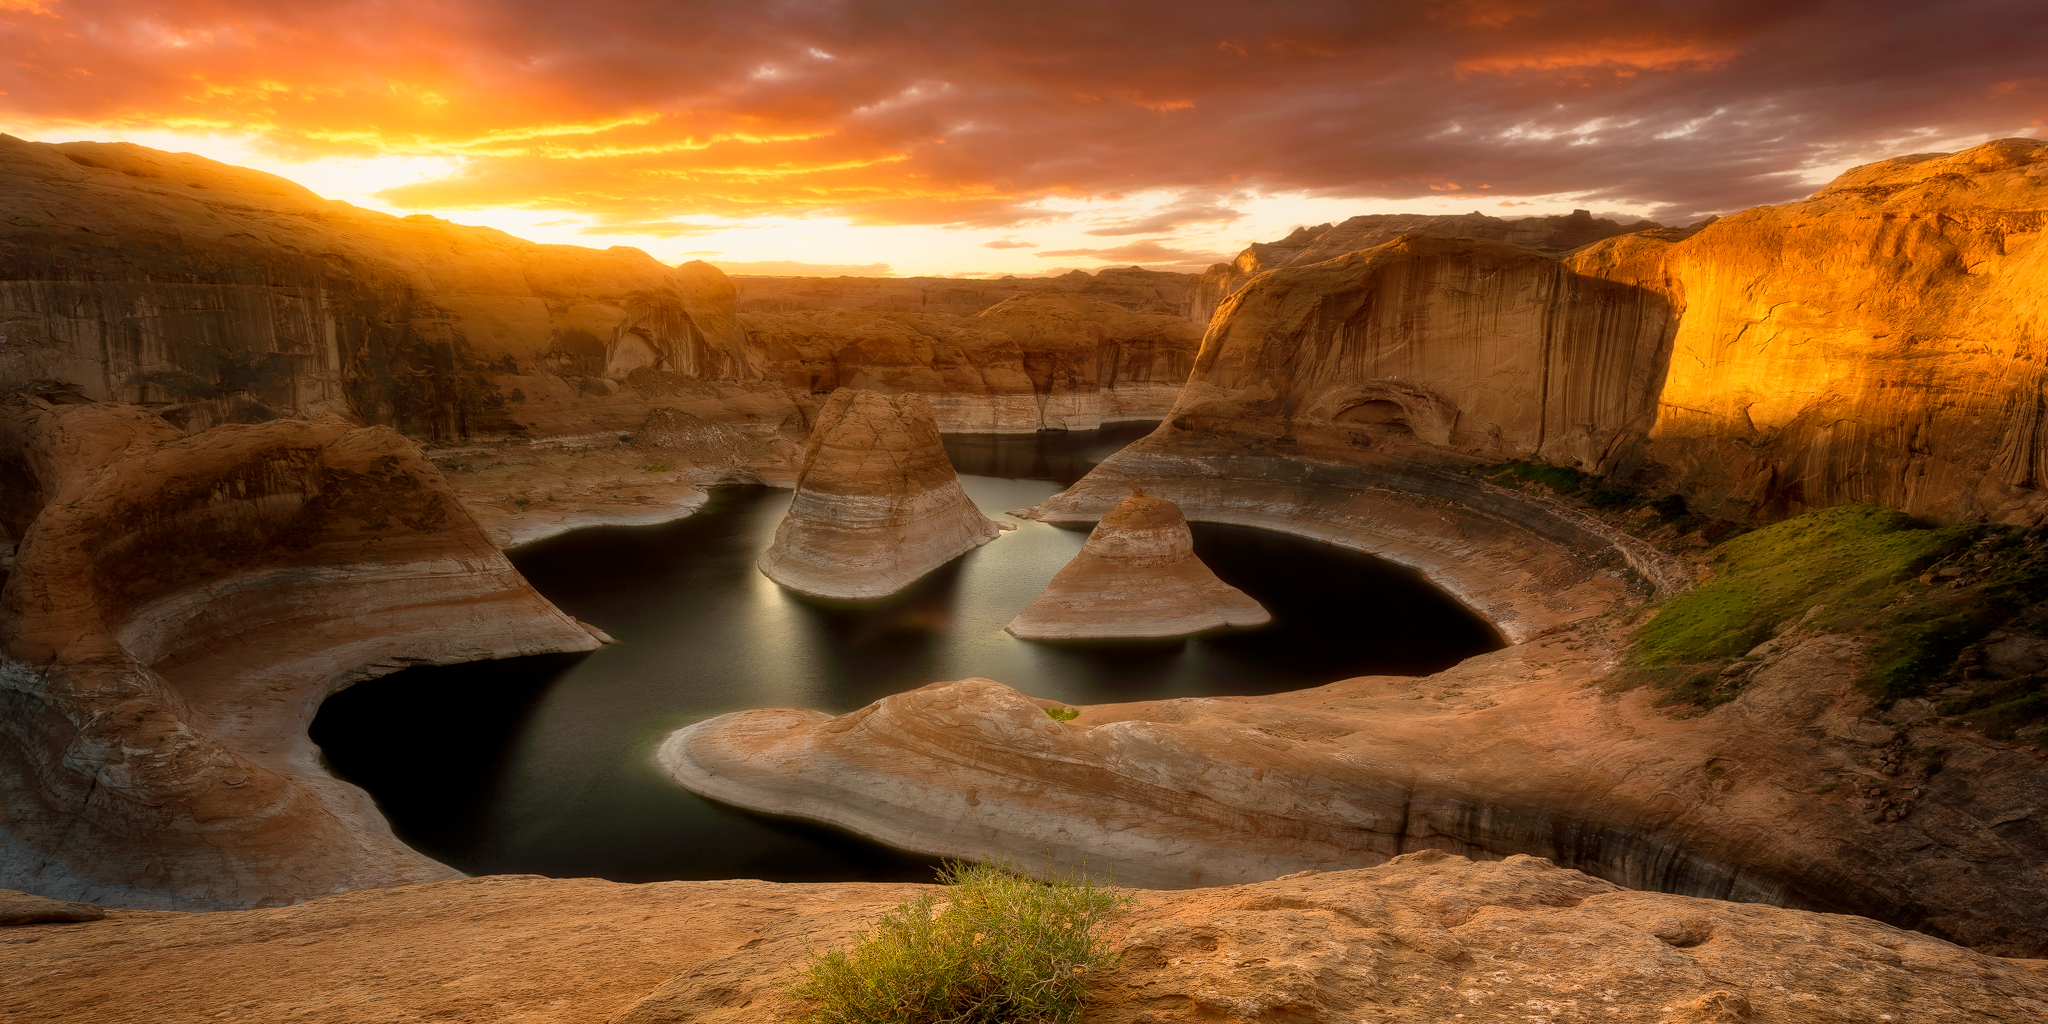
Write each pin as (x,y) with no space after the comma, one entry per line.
(877,504)
(1031,362)
(1425,938)
(1136,576)
(177,608)
(1772,797)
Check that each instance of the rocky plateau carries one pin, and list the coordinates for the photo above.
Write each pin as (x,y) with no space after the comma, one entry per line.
(1425,938)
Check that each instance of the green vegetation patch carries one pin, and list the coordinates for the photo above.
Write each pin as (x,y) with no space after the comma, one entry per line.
(1850,558)
(995,946)
(1064,714)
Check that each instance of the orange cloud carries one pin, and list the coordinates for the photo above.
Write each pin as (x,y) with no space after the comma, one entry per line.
(918,111)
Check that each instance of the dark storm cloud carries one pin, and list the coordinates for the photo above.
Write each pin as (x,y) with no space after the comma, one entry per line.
(915,112)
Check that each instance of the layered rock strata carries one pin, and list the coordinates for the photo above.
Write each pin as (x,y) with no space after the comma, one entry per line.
(1763,799)
(1307,245)
(177,609)
(1031,362)
(215,294)
(877,504)
(1877,342)
(1427,937)
(1136,577)
(1133,288)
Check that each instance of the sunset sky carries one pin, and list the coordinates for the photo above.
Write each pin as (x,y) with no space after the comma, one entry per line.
(1021,137)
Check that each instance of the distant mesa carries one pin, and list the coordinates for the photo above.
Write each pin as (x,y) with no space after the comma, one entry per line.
(1136,577)
(877,503)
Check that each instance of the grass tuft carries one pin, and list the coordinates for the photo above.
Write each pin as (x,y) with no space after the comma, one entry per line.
(1064,714)
(994,947)
(1849,558)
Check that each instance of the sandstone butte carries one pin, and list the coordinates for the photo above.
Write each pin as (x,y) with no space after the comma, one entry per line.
(1357,400)
(877,504)
(1424,939)
(1136,577)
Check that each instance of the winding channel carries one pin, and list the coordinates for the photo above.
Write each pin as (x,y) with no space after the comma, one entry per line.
(542,765)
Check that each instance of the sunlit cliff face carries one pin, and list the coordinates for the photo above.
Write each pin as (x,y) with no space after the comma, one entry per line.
(1020,137)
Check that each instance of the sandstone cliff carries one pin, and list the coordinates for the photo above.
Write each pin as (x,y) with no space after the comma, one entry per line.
(1308,245)
(877,504)
(177,608)
(1133,288)
(1031,362)
(1426,938)
(1878,342)
(218,294)
(1882,341)
(1136,576)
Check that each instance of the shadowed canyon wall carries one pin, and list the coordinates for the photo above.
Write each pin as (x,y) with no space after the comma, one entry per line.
(176,609)
(219,294)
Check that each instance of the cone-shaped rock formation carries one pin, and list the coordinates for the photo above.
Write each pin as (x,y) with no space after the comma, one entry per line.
(877,504)
(1137,576)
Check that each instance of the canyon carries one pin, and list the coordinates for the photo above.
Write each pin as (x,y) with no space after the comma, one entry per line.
(257,446)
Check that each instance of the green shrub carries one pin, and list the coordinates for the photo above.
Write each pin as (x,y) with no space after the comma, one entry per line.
(1562,479)
(1064,714)
(1671,506)
(1850,558)
(993,947)
(655,467)
(1610,497)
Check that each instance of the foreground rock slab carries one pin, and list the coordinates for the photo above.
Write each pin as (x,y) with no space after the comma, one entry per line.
(877,504)
(1425,938)
(1137,576)
(1767,798)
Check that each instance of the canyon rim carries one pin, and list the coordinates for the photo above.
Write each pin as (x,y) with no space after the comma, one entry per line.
(1403,512)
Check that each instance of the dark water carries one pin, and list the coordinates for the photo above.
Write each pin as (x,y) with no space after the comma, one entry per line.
(542,765)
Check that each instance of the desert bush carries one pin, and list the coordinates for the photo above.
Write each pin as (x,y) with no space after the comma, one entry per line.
(994,946)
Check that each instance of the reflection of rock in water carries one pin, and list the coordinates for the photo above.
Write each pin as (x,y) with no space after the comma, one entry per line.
(1137,576)
(877,503)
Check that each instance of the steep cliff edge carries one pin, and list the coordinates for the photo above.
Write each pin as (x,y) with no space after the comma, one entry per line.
(877,504)
(1882,341)
(1307,245)
(1031,362)
(1426,938)
(219,294)
(177,608)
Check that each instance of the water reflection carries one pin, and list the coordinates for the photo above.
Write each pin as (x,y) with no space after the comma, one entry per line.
(540,765)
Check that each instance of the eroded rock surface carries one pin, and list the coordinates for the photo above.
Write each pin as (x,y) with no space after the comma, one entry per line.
(1424,939)
(1031,362)
(1308,245)
(1136,576)
(1133,288)
(177,608)
(217,294)
(1794,793)
(877,504)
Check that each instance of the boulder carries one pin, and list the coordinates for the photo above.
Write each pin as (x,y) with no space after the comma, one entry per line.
(1136,577)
